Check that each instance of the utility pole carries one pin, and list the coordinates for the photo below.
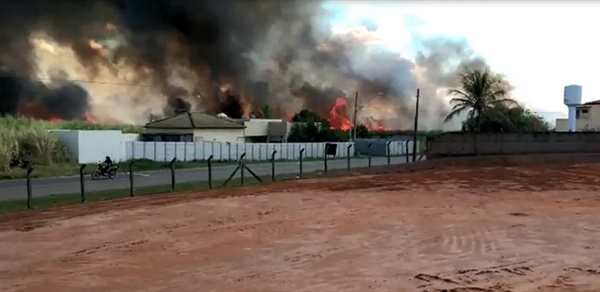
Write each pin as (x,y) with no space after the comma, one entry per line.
(355,114)
(415,128)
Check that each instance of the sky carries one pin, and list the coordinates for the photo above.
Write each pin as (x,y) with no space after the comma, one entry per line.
(540,46)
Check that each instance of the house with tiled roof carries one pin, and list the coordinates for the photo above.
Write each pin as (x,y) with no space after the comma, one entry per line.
(195,127)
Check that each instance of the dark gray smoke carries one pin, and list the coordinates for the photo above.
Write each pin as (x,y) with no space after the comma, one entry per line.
(62,99)
(213,34)
(232,56)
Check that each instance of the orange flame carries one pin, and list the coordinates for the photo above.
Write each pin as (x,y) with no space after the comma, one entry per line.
(33,111)
(338,117)
(89,118)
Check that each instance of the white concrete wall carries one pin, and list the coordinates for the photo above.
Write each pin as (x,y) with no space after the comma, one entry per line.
(168,131)
(131,137)
(69,139)
(93,146)
(224,135)
(257,127)
(222,151)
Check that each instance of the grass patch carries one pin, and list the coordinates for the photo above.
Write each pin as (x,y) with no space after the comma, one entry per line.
(12,206)
(69,169)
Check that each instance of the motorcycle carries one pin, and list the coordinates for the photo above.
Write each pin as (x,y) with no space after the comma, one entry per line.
(101,172)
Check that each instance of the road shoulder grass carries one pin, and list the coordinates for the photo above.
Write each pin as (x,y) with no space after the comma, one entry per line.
(65,169)
(14,206)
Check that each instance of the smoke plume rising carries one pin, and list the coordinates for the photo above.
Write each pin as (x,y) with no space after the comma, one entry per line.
(125,60)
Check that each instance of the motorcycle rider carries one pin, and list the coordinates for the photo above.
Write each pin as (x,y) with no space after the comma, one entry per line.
(106,165)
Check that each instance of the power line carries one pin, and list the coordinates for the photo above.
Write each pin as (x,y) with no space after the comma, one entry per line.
(98,82)
(87,81)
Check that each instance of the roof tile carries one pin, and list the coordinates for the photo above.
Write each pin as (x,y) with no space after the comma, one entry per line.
(193,120)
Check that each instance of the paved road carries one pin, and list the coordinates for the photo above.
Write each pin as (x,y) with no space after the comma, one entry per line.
(17,189)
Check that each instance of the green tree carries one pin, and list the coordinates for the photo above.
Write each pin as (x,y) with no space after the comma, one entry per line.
(266,112)
(504,119)
(305,116)
(310,127)
(362,131)
(479,94)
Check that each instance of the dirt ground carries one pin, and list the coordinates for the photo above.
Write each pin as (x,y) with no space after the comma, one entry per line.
(526,228)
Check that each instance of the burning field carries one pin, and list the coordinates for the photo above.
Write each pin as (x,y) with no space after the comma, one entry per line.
(126,61)
(527,228)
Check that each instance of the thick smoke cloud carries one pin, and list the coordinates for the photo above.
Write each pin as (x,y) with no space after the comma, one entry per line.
(124,60)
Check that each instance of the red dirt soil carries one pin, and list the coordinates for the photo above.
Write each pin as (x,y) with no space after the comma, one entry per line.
(525,228)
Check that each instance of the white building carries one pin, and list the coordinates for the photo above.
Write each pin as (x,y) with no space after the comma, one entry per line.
(197,127)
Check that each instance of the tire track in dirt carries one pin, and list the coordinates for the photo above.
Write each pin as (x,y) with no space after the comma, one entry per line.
(518,276)
(462,241)
(125,246)
(475,279)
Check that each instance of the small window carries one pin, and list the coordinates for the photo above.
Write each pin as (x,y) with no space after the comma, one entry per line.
(584,113)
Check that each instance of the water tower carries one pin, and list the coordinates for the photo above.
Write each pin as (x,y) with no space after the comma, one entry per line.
(572,100)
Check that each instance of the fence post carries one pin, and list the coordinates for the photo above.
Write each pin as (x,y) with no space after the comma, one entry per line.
(406,150)
(29,190)
(369,153)
(301,154)
(82,182)
(228,151)
(325,158)
(241,162)
(414,148)
(348,156)
(131,178)
(173,174)
(209,165)
(273,165)
(387,150)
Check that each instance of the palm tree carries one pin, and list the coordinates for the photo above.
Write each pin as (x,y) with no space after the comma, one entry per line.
(480,92)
